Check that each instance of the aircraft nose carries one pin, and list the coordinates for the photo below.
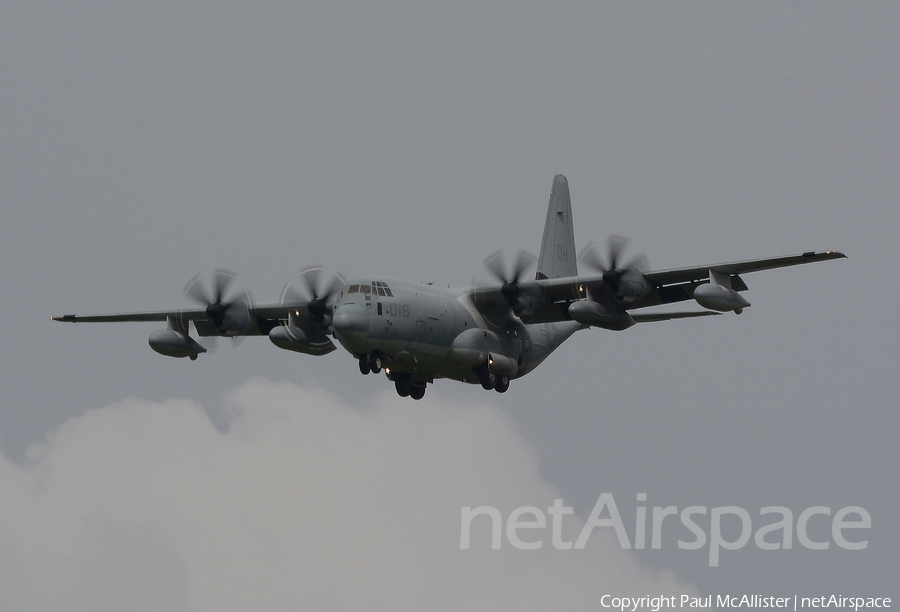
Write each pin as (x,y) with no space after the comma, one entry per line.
(351,320)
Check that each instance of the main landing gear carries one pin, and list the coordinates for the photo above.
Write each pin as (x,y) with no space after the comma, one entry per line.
(489,380)
(406,387)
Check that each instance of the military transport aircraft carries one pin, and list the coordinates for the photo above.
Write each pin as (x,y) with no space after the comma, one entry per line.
(482,334)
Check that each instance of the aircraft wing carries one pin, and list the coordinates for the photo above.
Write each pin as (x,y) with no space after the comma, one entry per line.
(125,317)
(668,316)
(266,317)
(696,273)
(266,311)
(294,324)
(547,300)
(678,284)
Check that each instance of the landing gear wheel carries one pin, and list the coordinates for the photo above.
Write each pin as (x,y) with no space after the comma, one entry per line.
(375,364)
(501,384)
(364,365)
(416,392)
(485,377)
(402,386)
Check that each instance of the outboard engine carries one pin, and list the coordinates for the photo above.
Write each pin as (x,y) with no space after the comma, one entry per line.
(226,317)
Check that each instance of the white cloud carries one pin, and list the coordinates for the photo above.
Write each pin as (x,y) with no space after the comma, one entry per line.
(304,503)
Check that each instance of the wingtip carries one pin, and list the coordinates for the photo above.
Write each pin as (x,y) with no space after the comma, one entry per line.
(825,254)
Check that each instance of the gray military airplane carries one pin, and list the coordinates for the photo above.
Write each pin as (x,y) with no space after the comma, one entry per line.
(482,334)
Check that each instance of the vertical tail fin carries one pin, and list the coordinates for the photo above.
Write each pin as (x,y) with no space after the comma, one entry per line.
(558,259)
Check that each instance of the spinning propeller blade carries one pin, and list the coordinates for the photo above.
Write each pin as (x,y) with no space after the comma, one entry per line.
(612,274)
(215,304)
(497,267)
(312,291)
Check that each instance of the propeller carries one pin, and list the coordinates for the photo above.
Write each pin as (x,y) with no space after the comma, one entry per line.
(496,266)
(215,303)
(314,293)
(612,274)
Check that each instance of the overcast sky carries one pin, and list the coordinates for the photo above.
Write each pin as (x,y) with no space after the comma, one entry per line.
(143,143)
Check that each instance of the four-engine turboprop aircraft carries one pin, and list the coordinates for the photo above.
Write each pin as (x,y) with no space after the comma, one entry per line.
(485,335)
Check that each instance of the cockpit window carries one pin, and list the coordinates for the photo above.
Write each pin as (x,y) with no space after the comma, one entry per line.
(381,289)
(377,287)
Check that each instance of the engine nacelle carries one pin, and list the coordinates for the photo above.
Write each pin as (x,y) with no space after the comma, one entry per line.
(716,297)
(172,343)
(232,321)
(627,286)
(591,313)
(237,320)
(529,301)
(292,338)
(633,287)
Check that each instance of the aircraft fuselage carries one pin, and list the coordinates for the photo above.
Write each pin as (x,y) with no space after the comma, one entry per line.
(427,332)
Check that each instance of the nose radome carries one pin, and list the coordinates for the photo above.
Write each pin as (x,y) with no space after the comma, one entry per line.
(350,319)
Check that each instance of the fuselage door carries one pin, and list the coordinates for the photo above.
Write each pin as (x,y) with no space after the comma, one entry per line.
(417,335)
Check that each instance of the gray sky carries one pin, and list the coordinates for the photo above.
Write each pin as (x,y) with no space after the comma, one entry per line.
(143,144)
